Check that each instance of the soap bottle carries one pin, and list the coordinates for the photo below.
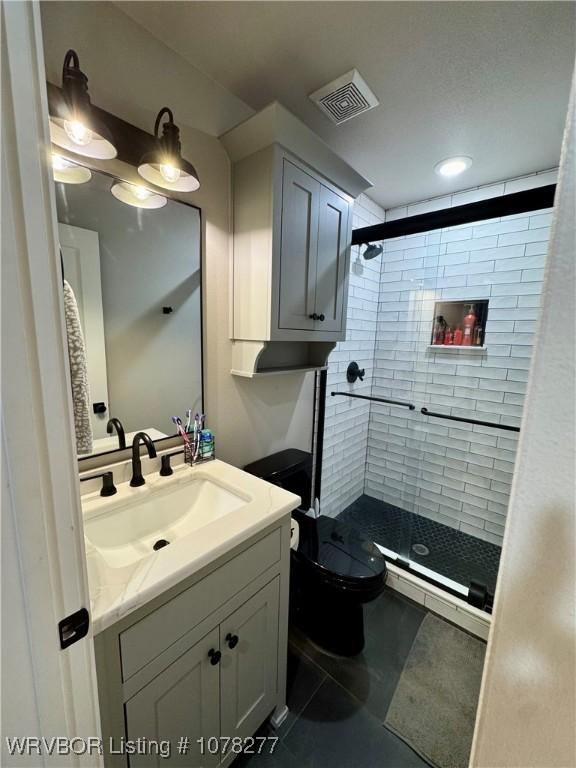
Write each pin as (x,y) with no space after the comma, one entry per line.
(469,323)
(449,336)
(458,336)
(478,336)
(439,330)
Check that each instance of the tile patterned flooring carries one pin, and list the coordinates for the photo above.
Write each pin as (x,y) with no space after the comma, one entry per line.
(452,553)
(337,706)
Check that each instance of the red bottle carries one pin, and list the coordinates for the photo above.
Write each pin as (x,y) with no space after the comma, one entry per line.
(449,336)
(458,336)
(469,323)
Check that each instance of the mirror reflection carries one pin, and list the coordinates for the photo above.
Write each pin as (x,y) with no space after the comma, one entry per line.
(132,294)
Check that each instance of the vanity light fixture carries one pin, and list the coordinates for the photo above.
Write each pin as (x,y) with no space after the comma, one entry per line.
(137,195)
(67,172)
(453,166)
(164,166)
(76,127)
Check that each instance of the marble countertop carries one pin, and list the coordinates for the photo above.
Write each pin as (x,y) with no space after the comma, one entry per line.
(117,591)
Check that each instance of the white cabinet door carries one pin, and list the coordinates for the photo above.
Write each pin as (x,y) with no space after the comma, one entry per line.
(182,702)
(332,260)
(249,643)
(298,248)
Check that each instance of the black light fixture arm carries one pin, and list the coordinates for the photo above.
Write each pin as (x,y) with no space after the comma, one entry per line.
(163,111)
(74,81)
(71,56)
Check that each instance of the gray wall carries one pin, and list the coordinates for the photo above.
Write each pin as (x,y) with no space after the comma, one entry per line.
(149,259)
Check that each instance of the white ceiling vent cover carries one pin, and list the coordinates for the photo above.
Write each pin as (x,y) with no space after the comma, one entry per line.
(345,98)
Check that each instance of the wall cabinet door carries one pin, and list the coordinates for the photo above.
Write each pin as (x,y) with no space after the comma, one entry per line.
(183,701)
(332,260)
(298,248)
(249,643)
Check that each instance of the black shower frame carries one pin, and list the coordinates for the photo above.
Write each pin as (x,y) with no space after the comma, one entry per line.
(495,207)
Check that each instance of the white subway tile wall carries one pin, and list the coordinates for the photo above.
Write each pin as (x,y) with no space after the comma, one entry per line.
(448,471)
(346,419)
(455,473)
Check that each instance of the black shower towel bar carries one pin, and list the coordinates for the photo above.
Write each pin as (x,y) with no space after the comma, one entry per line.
(403,403)
(426,412)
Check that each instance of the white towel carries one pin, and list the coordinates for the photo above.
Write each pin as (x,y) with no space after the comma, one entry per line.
(78,372)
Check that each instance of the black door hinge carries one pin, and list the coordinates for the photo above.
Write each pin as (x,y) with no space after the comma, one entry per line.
(73,627)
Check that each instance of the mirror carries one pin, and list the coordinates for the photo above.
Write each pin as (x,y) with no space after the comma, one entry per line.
(133,308)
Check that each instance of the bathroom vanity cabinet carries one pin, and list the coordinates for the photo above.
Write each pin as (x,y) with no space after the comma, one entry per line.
(205,660)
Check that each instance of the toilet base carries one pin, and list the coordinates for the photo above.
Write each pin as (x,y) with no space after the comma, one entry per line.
(336,626)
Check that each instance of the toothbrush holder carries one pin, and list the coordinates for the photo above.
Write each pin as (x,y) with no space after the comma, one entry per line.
(199,451)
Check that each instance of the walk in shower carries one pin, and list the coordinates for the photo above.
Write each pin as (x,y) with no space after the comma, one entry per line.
(418,450)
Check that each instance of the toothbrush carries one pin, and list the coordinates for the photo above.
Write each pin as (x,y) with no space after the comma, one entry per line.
(196,435)
(188,419)
(178,421)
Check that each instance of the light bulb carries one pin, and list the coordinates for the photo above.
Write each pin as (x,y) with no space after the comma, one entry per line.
(453,166)
(140,192)
(59,163)
(170,173)
(78,132)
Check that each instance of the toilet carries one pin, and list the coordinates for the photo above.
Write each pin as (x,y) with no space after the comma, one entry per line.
(334,568)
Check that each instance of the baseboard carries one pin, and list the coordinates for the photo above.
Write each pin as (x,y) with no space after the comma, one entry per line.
(438,601)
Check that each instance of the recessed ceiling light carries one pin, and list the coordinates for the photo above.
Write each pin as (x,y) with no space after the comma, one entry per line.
(453,166)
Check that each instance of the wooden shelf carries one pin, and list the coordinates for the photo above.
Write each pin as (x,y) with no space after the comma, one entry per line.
(465,348)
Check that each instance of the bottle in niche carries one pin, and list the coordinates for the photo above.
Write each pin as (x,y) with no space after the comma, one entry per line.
(469,323)
(478,336)
(439,330)
(458,336)
(449,336)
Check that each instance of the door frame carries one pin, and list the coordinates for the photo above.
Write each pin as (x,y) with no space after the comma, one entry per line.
(39,459)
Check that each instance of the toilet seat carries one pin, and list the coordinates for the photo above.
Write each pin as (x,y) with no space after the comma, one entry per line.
(339,555)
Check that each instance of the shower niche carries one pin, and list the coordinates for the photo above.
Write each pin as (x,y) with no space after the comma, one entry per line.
(459,325)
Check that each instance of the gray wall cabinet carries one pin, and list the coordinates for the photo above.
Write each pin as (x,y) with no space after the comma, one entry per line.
(292,234)
(207,659)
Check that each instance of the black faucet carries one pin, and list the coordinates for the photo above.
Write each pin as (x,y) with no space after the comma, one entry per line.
(140,437)
(117,425)
(108,487)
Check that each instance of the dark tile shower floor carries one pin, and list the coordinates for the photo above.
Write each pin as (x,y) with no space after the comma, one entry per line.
(452,553)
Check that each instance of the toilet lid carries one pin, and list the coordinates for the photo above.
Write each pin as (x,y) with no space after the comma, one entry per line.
(340,550)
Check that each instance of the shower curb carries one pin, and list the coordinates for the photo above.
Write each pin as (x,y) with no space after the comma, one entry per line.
(438,601)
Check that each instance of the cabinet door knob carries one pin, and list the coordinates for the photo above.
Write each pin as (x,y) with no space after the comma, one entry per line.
(321,318)
(214,656)
(314,316)
(232,640)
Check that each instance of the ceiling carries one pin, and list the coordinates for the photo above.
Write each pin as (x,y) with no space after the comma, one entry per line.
(485,79)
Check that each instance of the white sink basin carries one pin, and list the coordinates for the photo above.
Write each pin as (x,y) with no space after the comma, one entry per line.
(127,531)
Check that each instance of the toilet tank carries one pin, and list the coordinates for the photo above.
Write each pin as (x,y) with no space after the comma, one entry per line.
(290,469)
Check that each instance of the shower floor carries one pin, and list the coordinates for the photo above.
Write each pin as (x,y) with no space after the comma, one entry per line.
(451,553)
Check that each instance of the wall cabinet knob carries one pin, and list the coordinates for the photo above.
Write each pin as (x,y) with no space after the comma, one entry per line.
(214,656)
(232,640)
(321,318)
(313,316)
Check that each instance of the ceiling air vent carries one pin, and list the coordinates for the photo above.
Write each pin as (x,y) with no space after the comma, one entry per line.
(345,98)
